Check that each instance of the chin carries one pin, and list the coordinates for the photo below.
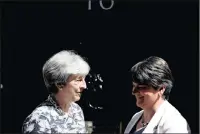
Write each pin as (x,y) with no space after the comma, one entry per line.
(76,99)
(140,105)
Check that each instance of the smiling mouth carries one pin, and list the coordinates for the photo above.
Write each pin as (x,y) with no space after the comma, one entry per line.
(141,97)
(79,93)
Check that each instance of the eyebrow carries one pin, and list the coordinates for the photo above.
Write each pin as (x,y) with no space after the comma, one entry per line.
(80,77)
(138,85)
(142,85)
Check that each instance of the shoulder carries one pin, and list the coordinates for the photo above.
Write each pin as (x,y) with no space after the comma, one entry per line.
(171,111)
(41,111)
(174,121)
(38,113)
(39,118)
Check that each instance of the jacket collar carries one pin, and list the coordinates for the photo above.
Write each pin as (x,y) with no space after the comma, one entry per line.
(52,99)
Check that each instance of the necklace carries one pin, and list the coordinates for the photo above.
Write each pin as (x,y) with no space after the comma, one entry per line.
(143,123)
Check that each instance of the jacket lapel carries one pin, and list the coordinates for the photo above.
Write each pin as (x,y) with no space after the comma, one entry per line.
(153,124)
(133,121)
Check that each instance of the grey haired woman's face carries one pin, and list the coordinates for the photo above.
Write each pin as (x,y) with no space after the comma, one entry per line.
(73,89)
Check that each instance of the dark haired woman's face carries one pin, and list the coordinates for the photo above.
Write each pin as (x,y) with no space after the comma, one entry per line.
(145,95)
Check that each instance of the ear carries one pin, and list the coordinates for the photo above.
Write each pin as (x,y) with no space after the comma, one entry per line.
(162,90)
(59,86)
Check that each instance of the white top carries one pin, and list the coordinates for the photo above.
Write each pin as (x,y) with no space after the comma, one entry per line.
(167,119)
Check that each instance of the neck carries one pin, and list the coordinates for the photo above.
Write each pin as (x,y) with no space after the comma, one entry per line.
(62,103)
(149,112)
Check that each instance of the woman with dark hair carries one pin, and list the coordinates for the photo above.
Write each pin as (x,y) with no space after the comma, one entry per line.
(152,82)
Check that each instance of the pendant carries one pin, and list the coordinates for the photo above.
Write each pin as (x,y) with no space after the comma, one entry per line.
(144,124)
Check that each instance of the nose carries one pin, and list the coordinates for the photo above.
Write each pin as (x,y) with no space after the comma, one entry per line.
(134,90)
(136,93)
(83,85)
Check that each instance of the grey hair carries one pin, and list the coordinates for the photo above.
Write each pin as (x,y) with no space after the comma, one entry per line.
(60,66)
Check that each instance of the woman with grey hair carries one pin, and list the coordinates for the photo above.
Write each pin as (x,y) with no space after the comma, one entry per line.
(152,82)
(64,76)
